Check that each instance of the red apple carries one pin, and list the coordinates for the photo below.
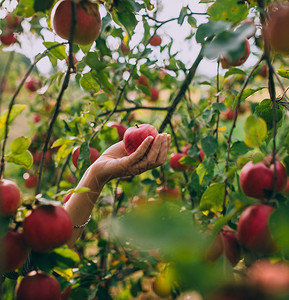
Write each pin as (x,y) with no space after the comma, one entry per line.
(38,155)
(36,118)
(30,181)
(88,24)
(271,277)
(226,242)
(167,193)
(154,94)
(121,128)
(156,40)
(228,115)
(94,155)
(13,251)
(143,80)
(257,178)
(135,135)
(276,31)
(65,294)
(175,162)
(36,286)
(253,229)
(12,21)
(10,198)
(124,48)
(47,227)
(227,63)
(8,39)
(32,84)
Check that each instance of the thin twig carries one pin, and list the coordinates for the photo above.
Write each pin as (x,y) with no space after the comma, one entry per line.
(70,69)
(2,164)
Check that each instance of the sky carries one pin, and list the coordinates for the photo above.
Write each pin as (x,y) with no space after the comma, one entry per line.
(187,50)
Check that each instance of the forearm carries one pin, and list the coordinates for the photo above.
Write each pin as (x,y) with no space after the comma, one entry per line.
(80,205)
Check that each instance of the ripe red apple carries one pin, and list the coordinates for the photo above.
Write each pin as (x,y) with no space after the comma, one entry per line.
(156,40)
(257,178)
(253,229)
(121,128)
(135,135)
(94,155)
(185,149)
(38,154)
(30,181)
(225,242)
(13,251)
(227,63)
(47,227)
(167,193)
(10,198)
(8,38)
(12,21)
(154,94)
(124,48)
(175,162)
(228,115)
(36,118)
(271,277)
(36,286)
(33,84)
(276,31)
(88,24)
(143,80)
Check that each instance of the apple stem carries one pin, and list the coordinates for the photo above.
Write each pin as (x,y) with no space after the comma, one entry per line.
(136,125)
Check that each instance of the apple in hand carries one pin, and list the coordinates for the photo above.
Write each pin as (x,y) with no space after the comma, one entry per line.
(36,286)
(10,198)
(13,251)
(121,128)
(47,227)
(253,230)
(156,40)
(94,155)
(88,24)
(256,180)
(175,162)
(227,63)
(135,135)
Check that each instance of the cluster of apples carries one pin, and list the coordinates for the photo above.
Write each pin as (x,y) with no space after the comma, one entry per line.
(44,228)
(12,24)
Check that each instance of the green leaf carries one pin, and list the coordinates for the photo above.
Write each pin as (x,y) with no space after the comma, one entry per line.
(255,131)
(15,111)
(246,94)
(25,8)
(182,15)
(228,10)
(20,145)
(279,226)
(209,145)
(24,159)
(208,30)
(265,111)
(233,71)
(58,52)
(42,5)
(104,82)
(239,148)
(213,198)
(192,21)
(283,73)
(219,107)
(205,171)
(92,60)
(89,82)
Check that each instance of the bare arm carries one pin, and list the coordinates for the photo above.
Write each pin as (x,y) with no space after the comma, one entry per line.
(113,163)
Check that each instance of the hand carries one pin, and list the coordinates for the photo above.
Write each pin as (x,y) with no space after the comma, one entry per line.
(114,162)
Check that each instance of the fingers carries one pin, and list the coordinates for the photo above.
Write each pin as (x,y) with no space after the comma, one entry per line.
(141,150)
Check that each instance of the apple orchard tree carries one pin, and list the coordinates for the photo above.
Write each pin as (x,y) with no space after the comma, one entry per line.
(212,222)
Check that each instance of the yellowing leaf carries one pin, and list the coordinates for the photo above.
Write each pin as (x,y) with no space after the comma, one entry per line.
(255,131)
